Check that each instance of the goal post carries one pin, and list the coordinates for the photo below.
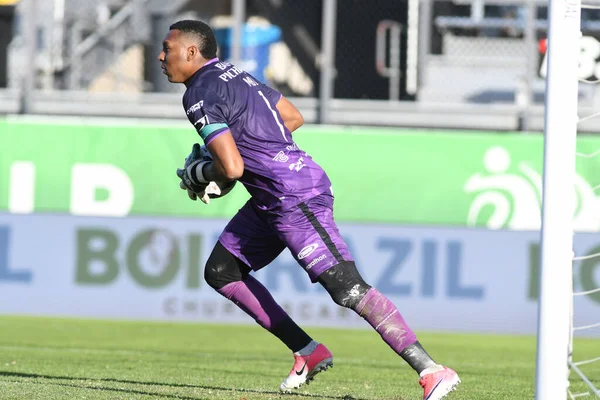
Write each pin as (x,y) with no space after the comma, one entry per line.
(558,204)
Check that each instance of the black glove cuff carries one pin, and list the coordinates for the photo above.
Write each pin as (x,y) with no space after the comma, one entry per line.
(196,172)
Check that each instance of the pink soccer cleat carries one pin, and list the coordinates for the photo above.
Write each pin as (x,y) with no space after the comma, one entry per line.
(306,367)
(438,384)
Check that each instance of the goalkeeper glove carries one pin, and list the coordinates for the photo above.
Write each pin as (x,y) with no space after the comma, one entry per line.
(211,188)
(190,193)
(192,177)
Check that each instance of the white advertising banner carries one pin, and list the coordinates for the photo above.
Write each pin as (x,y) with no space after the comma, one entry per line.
(441,279)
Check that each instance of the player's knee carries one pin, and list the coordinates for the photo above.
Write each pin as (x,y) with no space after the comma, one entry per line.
(221,268)
(344,284)
(211,274)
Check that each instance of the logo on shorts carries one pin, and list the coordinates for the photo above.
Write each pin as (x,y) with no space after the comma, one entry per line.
(307,251)
(315,261)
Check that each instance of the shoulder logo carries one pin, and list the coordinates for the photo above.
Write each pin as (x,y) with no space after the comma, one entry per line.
(195,107)
(201,123)
(307,251)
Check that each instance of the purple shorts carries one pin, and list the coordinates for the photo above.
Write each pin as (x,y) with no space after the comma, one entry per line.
(257,237)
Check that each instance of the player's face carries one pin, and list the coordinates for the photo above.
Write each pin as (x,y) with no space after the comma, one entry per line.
(174,57)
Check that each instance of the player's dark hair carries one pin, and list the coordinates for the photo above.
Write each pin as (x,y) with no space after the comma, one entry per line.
(207,43)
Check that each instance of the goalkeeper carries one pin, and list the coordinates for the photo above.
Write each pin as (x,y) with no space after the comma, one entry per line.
(247,128)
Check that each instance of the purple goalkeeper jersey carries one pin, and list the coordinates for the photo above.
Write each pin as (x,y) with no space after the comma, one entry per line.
(277,174)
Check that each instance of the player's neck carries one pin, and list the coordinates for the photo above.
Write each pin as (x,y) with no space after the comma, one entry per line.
(189,80)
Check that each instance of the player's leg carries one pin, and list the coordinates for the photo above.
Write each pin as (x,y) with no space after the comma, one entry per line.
(247,243)
(325,256)
(347,289)
(231,277)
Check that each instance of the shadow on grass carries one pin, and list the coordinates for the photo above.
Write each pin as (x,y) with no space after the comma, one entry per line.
(175,385)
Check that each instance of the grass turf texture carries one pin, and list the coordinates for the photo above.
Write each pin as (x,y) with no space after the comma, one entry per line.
(47,358)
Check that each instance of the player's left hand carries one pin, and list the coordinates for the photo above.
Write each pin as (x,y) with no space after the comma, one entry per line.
(190,181)
(198,153)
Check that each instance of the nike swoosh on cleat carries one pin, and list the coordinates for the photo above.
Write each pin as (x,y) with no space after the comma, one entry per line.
(435,387)
(302,370)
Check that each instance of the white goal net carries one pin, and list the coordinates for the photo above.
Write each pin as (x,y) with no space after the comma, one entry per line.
(581,382)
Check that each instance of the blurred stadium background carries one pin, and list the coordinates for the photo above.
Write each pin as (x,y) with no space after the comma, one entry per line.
(427,114)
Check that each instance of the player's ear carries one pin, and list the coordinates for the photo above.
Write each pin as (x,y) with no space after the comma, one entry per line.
(192,52)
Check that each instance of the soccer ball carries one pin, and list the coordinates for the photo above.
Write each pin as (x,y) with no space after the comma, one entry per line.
(214,189)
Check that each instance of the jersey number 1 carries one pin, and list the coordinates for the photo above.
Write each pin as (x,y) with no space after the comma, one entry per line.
(274,115)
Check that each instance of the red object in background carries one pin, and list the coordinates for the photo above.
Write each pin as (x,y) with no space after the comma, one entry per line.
(543,46)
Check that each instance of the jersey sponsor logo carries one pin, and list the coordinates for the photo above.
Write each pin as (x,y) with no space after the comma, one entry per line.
(297,166)
(292,147)
(316,261)
(281,157)
(307,251)
(195,107)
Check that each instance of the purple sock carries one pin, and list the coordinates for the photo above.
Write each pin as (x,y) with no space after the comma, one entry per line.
(383,315)
(256,301)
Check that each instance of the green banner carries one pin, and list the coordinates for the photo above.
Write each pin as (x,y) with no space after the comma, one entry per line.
(379,174)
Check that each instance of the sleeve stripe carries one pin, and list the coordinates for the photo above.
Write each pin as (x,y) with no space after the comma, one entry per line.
(215,135)
(207,130)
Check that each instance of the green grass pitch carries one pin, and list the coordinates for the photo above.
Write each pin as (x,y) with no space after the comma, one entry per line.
(47,358)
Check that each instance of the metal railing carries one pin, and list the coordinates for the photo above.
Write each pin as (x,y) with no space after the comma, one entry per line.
(408,59)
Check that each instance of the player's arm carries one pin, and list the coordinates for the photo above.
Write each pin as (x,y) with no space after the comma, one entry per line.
(207,112)
(227,164)
(292,119)
(224,164)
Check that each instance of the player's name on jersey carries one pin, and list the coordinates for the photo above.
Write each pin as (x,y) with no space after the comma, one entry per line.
(232,72)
